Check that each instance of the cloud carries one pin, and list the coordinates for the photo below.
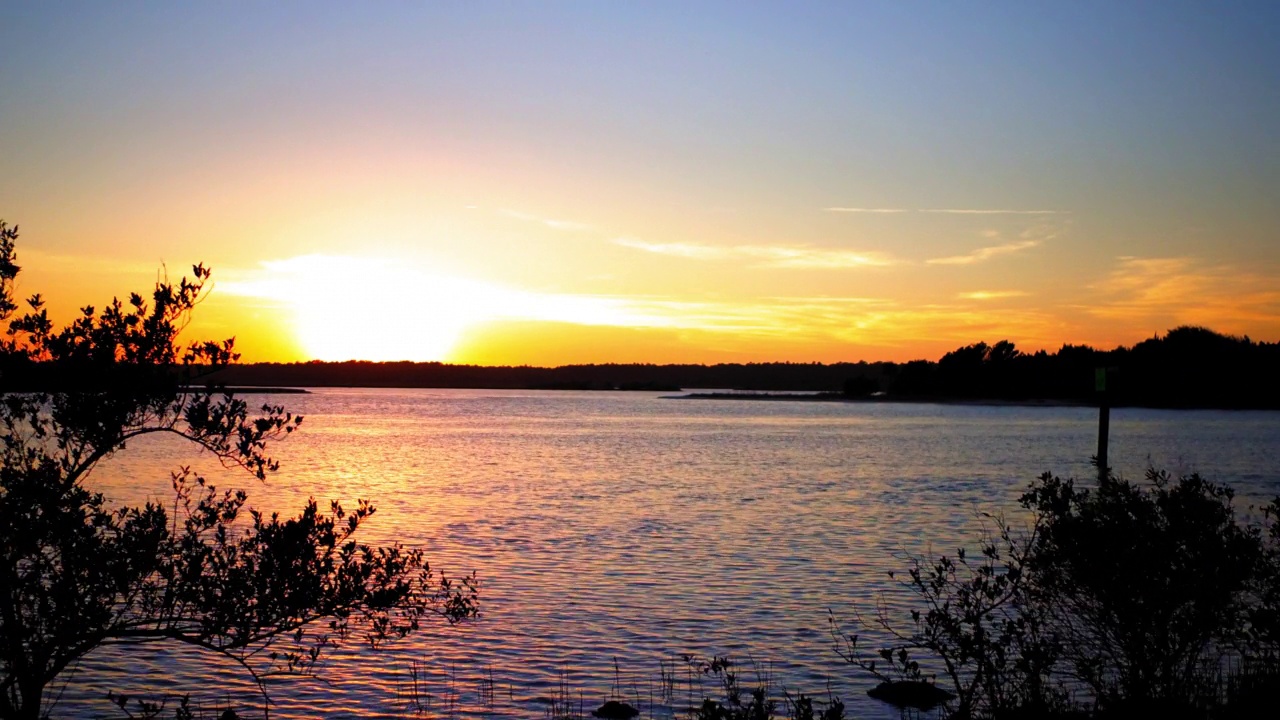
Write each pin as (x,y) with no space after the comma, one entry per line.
(554,224)
(947,211)
(687,250)
(1187,290)
(973,211)
(875,322)
(1153,282)
(985,253)
(770,316)
(1139,296)
(795,257)
(825,299)
(991,294)
(812,258)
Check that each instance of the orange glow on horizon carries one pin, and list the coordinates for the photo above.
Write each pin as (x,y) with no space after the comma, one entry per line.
(335,308)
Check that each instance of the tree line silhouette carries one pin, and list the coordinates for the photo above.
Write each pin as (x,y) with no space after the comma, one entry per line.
(1188,367)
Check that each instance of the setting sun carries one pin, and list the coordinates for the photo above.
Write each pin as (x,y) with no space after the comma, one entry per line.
(370,309)
(359,308)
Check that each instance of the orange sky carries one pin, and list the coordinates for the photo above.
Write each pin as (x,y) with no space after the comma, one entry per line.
(586,183)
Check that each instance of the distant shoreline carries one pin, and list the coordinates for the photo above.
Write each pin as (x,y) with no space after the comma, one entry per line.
(840,398)
(251,390)
(767,396)
(1189,367)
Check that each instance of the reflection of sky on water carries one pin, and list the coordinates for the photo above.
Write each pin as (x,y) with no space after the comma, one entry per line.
(618,525)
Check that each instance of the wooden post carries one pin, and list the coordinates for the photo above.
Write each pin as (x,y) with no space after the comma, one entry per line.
(1104,421)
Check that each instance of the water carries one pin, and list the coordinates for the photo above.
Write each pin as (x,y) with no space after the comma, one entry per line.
(625,528)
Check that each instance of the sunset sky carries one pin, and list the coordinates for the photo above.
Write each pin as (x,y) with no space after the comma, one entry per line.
(556,182)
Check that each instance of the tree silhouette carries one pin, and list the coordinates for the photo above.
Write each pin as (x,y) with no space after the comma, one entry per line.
(77,573)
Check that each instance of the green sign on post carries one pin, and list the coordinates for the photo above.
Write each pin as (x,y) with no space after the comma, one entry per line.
(1100,379)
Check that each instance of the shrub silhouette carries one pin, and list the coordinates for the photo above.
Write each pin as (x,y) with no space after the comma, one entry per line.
(77,573)
(1144,586)
(1137,593)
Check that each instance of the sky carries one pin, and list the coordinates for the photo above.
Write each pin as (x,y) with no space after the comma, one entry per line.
(564,182)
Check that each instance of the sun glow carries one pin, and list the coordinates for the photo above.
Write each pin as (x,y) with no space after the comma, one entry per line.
(372,309)
(352,308)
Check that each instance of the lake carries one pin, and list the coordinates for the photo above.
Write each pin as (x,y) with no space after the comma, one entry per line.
(614,532)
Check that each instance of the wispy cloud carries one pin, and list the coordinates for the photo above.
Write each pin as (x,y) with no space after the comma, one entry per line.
(1139,296)
(776,256)
(771,317)
(826,300)
(985,211)
(876,322)
(985,253)
(554,224)
(686,250)
(947,211)
(1187,290)
(813,258)
(1152,282)
(991,294)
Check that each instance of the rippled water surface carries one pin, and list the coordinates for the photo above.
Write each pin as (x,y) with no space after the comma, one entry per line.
(613,531)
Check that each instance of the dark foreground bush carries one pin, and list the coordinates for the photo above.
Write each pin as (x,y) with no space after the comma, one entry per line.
(1120,600)
(271,594)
